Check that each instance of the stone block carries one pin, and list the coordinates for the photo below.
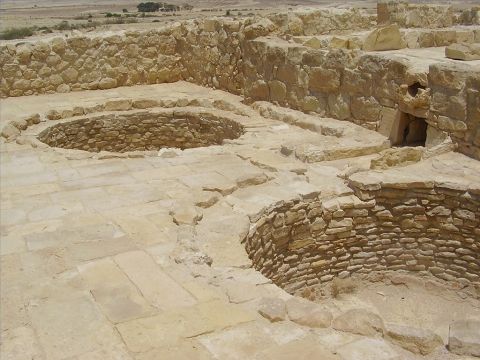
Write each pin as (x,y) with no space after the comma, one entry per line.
(384,38)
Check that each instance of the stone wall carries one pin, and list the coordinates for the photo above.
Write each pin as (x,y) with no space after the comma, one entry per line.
(190,51)
(344,84)
(455,105)
(322,21)
(423,227)
(141,130)
(372,90)
(206,52)
(235,55)
(424,15)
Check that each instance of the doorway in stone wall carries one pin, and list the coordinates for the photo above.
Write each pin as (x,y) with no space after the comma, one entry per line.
(409,130)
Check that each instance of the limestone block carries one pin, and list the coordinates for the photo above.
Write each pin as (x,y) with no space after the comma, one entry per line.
(416,103)
(435,137)
(10,132)
(310,103)
(21,84)
(416,340)
(210,25)
(56,79)
(384,38)
(272,309)
(365,108)
(463,51)
(58,45)
(386,121)
(394,157)
(24,53)
(155,285)
(464,338)
(308,314)
(339,43)
(63,88)
(260,28)
(259,90)
(118,105)
(339,106)
(278,90)
(295,25)
(107,83)
(446,123)
(314,43)
(70,75)
(361,322)
(323,80)
(450,75)
(444,37)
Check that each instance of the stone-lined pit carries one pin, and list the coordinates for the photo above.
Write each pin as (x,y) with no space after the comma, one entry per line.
(142,130)
(428,229)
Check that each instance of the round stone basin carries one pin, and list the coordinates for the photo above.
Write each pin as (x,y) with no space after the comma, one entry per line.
(430,230)
(142,131)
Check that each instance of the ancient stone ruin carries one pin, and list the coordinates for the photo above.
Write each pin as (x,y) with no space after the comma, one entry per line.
(303,184)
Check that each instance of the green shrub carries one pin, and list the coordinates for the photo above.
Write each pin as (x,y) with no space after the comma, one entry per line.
(17,33)
(148,7)
(64,25)
(117,20)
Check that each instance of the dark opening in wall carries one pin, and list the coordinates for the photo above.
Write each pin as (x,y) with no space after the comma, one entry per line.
(413,89)
(409,131)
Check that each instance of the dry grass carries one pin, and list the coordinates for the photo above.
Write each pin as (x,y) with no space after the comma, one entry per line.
(16,33)
(342,286)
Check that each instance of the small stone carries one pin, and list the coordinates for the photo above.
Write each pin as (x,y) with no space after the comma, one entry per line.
(10,132)
(272,309)
(53,115)
(107,83)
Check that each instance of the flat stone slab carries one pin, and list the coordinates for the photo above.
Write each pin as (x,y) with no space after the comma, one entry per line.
(371,349)
(464,338)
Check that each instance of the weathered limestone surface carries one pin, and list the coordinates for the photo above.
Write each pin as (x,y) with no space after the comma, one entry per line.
(361,322)
(384,38)
(464,338)
(416,340)
(415,15)
(125,252)
(463,51)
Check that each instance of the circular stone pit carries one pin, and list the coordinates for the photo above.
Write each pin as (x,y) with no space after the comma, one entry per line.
(421,228)
(142,131)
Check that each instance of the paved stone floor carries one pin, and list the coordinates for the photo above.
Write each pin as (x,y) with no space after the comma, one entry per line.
(97,257)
